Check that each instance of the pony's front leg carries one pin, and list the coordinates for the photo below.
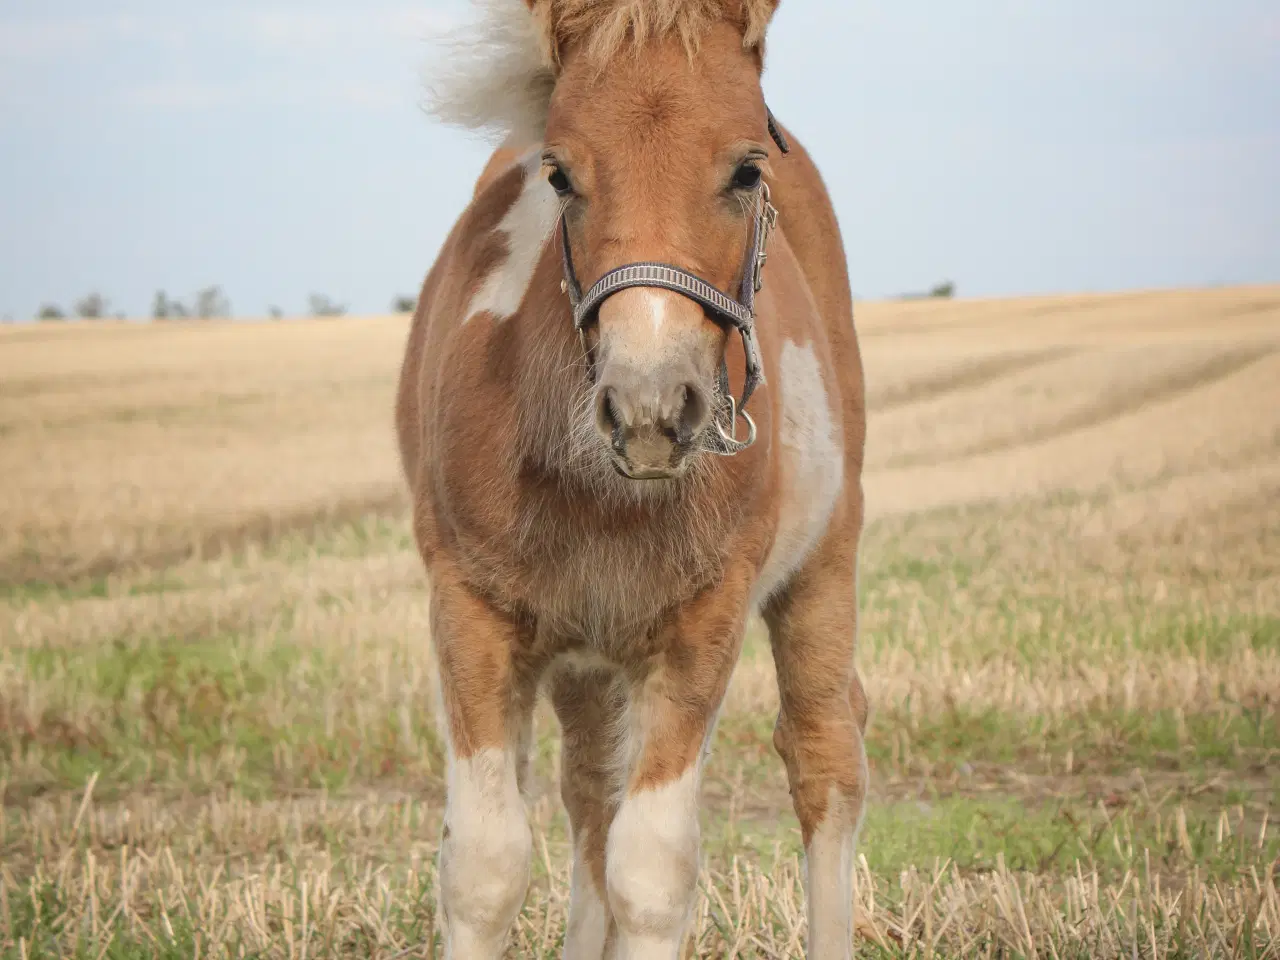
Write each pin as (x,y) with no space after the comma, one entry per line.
(653,848)
(488,691)
(813,630)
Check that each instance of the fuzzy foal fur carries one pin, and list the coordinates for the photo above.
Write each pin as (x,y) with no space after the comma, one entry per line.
(627,600)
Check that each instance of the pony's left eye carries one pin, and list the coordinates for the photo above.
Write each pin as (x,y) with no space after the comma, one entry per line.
(559,181)
(746,177)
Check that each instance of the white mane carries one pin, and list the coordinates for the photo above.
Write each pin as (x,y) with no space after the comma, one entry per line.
(491,75)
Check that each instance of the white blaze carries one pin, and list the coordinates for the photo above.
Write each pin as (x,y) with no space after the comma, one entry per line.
(655,308)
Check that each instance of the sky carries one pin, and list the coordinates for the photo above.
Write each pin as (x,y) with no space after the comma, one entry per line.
(279,148)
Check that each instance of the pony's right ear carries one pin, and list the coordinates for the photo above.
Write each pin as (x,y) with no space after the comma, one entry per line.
(545,28)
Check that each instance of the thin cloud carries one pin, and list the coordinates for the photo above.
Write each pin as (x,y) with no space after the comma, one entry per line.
(182,96)
(320,31)
(33,41)
(52,38)
(300,56)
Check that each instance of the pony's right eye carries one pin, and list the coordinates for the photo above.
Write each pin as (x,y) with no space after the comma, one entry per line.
(747,177)
(560,182)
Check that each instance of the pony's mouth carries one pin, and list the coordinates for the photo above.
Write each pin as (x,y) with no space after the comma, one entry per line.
(631,471)
(647,473)
(650,452)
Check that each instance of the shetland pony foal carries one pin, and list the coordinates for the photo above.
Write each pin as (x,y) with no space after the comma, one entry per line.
(588,501)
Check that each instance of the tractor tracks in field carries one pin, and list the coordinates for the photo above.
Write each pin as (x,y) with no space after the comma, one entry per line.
(976,373)
(21,570)
(1112,404)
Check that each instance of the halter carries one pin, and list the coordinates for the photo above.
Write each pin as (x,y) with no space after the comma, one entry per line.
(738,313)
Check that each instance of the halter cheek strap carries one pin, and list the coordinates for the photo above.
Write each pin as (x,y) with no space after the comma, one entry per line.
(739,312)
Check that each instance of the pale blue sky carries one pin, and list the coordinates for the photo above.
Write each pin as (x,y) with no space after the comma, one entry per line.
(277,148)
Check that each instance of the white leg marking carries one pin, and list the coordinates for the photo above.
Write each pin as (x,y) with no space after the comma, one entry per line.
(588,916)
(485,856)
(527,226)
(652,868)
(829,882)
(812,467)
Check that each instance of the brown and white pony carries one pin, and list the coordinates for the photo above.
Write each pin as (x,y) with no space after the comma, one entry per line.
(592,516)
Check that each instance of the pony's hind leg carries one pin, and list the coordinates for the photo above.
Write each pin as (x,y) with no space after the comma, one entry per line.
(823,714)
(590,703)
(488,689)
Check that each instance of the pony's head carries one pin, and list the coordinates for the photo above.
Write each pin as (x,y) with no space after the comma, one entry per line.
(655,136)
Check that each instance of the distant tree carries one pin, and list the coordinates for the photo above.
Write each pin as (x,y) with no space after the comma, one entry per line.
(164,307)
(92,307)
(275,313)
(321,306)
(939,291)
(211,304)
(403,304)
(50,312)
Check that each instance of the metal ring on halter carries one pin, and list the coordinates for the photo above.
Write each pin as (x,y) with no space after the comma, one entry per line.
(732,445)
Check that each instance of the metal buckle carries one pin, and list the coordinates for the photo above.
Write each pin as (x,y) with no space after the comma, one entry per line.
(768,223)
(732,445)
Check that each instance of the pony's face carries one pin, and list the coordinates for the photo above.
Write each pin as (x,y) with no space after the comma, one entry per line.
(659,157)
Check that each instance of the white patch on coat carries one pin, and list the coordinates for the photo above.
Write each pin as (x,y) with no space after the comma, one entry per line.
(652,867)
(812,467)
(527,227)
(485,855)
(829,882)
(588,927)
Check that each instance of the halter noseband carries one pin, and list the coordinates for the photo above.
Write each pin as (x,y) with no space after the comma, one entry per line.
(739,313)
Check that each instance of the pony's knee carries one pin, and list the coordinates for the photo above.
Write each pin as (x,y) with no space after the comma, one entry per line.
(780,742)
(652,861)
(487,849)
(825,757)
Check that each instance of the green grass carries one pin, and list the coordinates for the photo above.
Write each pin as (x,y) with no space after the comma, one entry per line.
(214,688)
(1001,744)
(249,713)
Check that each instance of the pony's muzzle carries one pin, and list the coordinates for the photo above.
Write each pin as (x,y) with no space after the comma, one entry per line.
(650,427)
(654,396)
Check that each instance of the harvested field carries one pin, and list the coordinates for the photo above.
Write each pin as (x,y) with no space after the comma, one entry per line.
(216,687)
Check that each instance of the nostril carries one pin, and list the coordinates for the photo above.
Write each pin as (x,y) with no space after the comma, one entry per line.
(608,419)
(694,413)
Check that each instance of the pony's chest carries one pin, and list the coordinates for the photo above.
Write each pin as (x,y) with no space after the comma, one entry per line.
(606,583)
